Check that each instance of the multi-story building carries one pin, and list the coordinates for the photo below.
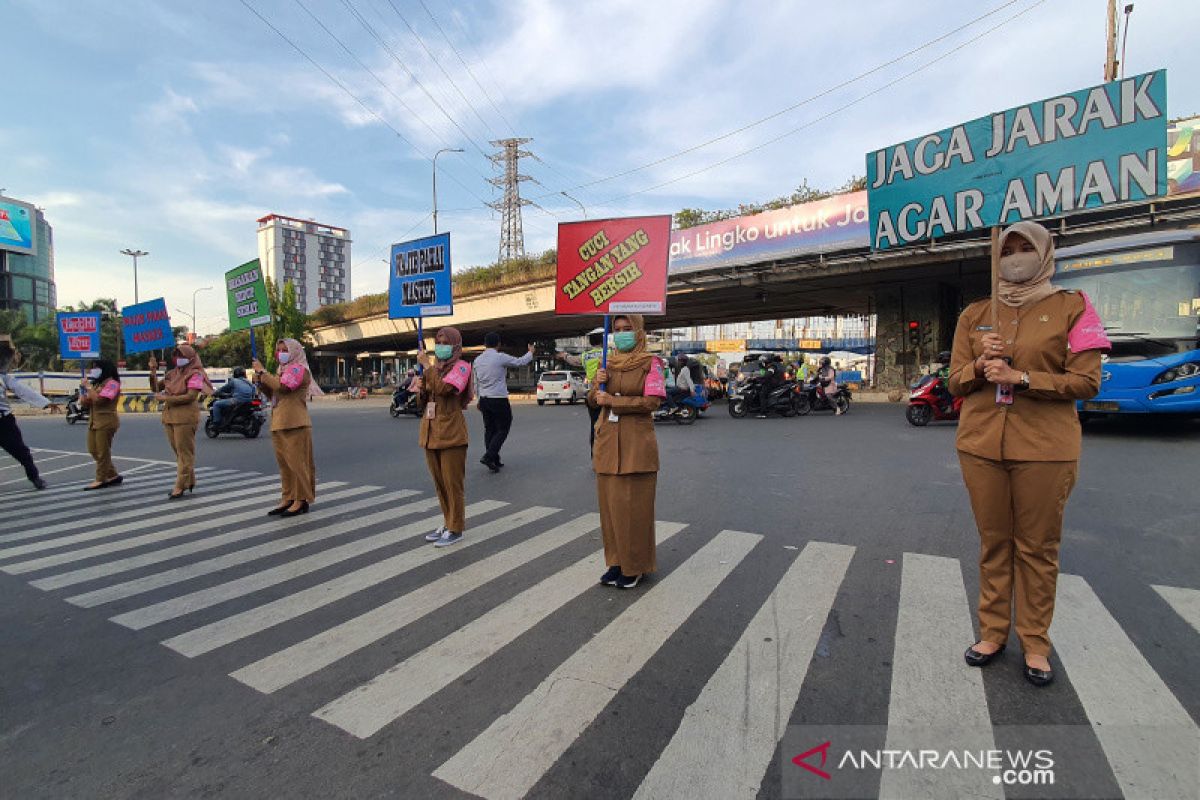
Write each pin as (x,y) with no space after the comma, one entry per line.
(313,257)
(26,261)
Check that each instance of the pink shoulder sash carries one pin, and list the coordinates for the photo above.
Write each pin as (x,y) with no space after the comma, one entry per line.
(1088,331)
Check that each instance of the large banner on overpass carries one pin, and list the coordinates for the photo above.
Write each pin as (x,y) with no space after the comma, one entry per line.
(1085,149)
(835,223)
(613,265)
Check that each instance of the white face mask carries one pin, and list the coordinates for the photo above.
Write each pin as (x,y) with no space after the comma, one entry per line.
(94,373)
(1020,267)
(182,362)
(284,357)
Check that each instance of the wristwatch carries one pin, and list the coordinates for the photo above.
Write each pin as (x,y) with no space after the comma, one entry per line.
(1025,380)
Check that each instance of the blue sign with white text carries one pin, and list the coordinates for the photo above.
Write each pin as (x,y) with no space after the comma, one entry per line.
(147,326)
(78,335)
(1083,149)
(419,281)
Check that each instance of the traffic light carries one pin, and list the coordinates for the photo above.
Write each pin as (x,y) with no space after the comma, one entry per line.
(926,333)
(914,332)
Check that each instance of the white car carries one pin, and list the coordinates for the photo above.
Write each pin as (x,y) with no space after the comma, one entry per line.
(559,386)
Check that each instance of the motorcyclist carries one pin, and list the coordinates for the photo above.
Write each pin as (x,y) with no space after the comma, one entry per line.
(772,376)
(237,390)
(684,385)
(943,375)
(405,389)
(827,381)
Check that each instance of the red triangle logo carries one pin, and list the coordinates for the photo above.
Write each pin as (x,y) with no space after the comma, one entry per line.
(802,760)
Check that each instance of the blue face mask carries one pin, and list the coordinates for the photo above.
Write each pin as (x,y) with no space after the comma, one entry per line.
(624,340)
(443,351)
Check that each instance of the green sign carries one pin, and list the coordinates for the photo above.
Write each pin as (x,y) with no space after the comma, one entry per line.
(246,289)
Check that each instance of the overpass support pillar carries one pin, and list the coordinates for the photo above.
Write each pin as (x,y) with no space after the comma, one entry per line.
(897,361)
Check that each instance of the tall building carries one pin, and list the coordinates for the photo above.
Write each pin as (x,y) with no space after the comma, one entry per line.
(314,258)
(26,261)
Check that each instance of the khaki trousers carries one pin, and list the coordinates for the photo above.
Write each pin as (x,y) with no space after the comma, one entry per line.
(99,445)
(297,471)
(182,436)
(1018,509)
(447,468)
(627,521)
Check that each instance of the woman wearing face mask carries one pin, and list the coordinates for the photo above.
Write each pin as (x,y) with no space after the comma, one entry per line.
(625,457)
(291,426)
(101,390)
(445,390)
(1019,437)
(179,390)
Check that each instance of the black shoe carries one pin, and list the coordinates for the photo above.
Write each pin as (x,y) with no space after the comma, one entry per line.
(626,582)
(610,578)
(39,483)
(1038,677)
(275,512)
(303,509)
(117,481)
(91,488)
(494,466)
(173,496)
(976,659)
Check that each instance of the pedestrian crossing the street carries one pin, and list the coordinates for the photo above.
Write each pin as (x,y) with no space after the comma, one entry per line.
(285,604)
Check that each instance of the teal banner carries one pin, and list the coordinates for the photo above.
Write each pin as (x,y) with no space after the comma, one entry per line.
(1085,149)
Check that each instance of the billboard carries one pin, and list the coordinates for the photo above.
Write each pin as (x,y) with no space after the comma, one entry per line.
(147,326)
(834,223)
(18,226)
(613,266)
(78,334)
(246,292)
(419,283)
(1084,149)
(1183,156)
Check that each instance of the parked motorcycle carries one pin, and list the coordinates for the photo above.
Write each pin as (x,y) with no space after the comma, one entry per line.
(783,400)
(812,400)
(925,406)
(684,411)
(408,405)
(245,418)
(76,411)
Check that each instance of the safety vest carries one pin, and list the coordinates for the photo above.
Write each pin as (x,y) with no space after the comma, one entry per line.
(591,362)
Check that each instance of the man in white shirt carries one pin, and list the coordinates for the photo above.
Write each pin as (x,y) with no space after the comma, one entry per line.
(491,385)
(10,434)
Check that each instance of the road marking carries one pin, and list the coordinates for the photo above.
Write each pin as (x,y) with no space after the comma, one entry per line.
(140,483)
(317,652)
(217,634)
(73,489)
(88,455)
(40,461)
(106,548)
(239,536)
(389,695)
(508,758)
(1150,740)
(229,488)
(937,702)
(235,500)
(728,736)
(1186,603)
(44,473)
(248,584)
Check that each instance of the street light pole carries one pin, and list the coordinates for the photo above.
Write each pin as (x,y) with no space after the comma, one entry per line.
(134,253)
(202,289)
(576,202)
(435,156)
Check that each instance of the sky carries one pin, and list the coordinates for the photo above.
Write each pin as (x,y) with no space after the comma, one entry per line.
(172,127)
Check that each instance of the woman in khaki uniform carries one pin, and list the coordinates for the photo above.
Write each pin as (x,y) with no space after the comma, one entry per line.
(1019,437)
(291,426)
(180,390)
(101,391)
(625,456)
(445,390)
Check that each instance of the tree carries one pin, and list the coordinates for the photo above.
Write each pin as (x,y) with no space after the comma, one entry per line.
(230,349)
(289,321)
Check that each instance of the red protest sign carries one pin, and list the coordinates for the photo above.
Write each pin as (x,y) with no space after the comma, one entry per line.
(613,266)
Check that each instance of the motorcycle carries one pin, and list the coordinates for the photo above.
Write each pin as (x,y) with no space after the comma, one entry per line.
(245,418)
(684,411)
(408,405)
(76,411)
(925,406)
(812,400)
(783,399)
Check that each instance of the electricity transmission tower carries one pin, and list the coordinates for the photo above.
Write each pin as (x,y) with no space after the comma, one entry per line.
(512,235)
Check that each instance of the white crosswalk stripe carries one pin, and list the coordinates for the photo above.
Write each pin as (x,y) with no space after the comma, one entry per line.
(76,486)
(135,487)
(1186,603)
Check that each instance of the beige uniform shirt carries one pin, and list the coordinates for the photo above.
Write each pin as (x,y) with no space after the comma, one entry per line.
(291,405)
(448,426)
(627,446)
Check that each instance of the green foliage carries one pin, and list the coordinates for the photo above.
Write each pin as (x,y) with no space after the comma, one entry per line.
(230,349)
(289,322)
(691,217)
(38,343)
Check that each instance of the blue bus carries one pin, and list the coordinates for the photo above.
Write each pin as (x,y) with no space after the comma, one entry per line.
(1146,288)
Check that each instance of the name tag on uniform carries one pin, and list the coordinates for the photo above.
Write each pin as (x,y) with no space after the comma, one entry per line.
(430,410)
(612,417)
(983,327)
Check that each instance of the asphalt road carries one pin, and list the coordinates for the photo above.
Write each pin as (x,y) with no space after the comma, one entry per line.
(843,540)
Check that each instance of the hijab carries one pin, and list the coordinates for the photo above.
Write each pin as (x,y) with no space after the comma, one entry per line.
(637,358)
(1017,294)
(454,339)
(175,381)
(296,356)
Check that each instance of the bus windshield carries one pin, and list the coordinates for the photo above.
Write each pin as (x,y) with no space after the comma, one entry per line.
(1148,311)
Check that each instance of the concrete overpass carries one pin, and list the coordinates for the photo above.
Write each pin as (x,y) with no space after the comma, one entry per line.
(930,282)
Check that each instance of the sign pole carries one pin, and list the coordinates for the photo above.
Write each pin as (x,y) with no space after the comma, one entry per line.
(604,350)
(253,345)
(996,278)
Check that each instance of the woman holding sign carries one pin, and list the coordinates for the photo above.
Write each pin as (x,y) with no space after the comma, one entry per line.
(1021,364)
(179,390)
(101,390)
(445,390)
(291,426)
(625,456)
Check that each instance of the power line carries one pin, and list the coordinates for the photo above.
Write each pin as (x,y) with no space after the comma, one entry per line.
(826,116)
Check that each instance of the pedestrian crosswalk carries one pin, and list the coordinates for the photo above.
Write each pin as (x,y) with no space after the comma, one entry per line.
(321,600)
